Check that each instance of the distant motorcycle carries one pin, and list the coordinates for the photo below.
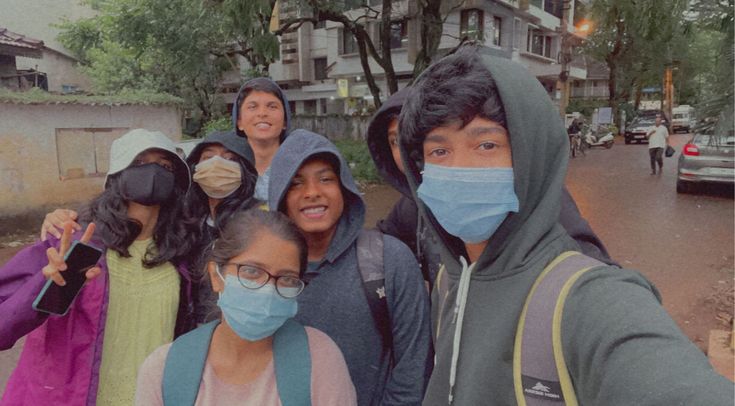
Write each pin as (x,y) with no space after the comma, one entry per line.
(599,138)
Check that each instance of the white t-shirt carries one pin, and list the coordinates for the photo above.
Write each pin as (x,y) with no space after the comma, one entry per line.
(658,138)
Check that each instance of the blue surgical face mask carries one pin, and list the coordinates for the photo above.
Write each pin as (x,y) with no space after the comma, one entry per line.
(469,203)
(254,314)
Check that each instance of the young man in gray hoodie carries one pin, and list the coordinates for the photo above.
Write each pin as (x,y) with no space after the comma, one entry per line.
(485,153)
(312,184)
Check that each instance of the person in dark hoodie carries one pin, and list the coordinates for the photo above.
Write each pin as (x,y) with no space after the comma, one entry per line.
(485,153)
(403,221)
(311,182)
(261,114)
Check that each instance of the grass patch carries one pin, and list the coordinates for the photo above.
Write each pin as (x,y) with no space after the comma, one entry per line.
(38,96)
(357,155)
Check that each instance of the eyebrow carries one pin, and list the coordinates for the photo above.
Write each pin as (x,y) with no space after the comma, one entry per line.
(279,272)
(480,131)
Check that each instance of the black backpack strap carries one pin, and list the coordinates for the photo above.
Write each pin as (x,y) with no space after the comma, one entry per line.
(540,374)
(182,373)
(370,262)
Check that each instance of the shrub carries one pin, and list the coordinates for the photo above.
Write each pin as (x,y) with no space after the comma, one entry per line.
(357,155)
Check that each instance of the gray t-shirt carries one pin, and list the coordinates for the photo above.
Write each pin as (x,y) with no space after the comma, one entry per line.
(261,186)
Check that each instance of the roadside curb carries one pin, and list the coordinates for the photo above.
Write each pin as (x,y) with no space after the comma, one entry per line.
(721,354)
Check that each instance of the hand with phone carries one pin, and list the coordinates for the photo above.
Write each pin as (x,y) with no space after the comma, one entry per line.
(57,265)
(68,268)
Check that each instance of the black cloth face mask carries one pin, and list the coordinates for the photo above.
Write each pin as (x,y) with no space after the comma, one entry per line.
(148,184)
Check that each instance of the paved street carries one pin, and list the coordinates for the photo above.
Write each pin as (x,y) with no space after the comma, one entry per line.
(683,243)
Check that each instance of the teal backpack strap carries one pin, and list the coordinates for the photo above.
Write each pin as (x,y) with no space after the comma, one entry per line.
(293,364)
(370,262)
(540,375)
(184,366)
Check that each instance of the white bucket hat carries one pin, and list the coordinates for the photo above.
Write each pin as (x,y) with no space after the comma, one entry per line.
(126,148)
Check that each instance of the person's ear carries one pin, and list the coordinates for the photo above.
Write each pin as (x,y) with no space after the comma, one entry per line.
(214,276)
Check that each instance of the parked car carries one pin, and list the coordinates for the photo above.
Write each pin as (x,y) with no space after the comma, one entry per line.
(706,158)
(682,118)
(638,129)
(644,122)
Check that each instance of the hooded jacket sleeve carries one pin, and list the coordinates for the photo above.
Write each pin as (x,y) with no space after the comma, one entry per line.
(402,222)
(408,307)
(622,348)
(21,280)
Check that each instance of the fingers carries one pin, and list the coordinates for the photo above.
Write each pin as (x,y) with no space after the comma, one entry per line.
(55,266)
(65,239)
(88,233)
(53,223)
(93,272)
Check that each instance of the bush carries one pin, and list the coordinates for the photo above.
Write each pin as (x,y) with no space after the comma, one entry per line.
(223,123)
(357,155)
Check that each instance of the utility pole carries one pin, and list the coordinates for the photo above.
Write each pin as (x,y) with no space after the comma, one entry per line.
(565,58)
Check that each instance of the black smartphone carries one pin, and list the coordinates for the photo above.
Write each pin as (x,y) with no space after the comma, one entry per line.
(55,299)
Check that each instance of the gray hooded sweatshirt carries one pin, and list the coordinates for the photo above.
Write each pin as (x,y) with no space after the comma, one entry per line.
(620,345)
(334,300)
(261,187)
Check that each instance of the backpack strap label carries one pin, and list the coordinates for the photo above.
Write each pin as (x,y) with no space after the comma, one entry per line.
(540,373)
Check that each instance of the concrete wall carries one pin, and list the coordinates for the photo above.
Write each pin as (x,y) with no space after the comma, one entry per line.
(57,154)
(334,127)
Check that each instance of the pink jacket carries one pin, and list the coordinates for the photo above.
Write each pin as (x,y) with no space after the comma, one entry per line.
(61,357)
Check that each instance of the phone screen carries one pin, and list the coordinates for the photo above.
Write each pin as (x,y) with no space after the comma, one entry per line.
(57,299)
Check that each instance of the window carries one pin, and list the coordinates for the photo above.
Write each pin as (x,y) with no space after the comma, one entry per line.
(348,42)
(310,107)
(538,43)
(471,24)
(497,24)
(398,34)
(537,3)
(320,68)
(353,4)
(554,7)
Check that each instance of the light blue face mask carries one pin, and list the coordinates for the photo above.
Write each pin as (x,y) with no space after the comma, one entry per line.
(469,203)
(254,314)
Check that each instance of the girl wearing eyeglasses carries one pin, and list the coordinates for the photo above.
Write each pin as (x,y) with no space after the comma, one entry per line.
(256,354)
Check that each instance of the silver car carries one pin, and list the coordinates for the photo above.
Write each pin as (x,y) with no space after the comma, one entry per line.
(706,159)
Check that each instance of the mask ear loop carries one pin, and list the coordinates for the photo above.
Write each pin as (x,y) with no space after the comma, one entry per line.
(217,270)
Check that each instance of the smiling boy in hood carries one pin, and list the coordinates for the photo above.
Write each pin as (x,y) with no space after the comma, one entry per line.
(311,183)
(619,344)
(403,221)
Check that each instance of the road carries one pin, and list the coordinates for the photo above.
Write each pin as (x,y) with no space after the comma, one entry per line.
(682,243)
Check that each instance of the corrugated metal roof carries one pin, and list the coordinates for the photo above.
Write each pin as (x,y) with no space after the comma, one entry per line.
(20,45)
(40,97)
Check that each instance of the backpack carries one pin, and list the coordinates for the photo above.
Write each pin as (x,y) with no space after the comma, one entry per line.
(370,262)
(540,374)
(182,373)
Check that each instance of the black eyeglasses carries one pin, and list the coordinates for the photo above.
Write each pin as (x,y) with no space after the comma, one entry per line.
(253,277)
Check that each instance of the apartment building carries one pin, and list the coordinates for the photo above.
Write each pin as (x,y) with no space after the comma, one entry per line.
(320,67)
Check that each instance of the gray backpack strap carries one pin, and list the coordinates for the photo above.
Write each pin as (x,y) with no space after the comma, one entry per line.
(184,366)
(540,374)
(370,263)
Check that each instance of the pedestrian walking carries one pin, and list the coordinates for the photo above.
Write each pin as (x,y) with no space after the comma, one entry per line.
(138,297)
(486,154)
(658,139)
(256,354)
(365,289)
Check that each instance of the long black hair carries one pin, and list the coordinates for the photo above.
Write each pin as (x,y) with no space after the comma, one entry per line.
(117,231)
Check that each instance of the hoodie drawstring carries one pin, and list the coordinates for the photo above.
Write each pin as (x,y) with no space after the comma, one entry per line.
(457,319)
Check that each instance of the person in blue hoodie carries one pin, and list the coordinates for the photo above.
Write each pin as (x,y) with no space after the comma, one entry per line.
(262,115)
(486,155)
(311,183)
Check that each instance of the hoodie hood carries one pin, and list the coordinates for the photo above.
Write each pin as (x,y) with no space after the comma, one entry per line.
(293,153)
(228,139)
(539,151)
(377,139)
(269,84)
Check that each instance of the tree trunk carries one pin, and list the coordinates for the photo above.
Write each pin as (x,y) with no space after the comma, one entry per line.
(387,60)
(360,35)
(431,34)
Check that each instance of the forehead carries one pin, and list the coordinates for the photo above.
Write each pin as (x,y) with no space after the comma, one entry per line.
(476,128)
(259,96)
(154,154)
(270,252)
(316,165)
(215,148)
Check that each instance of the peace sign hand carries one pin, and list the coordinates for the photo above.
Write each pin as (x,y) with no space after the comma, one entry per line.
(56,263)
